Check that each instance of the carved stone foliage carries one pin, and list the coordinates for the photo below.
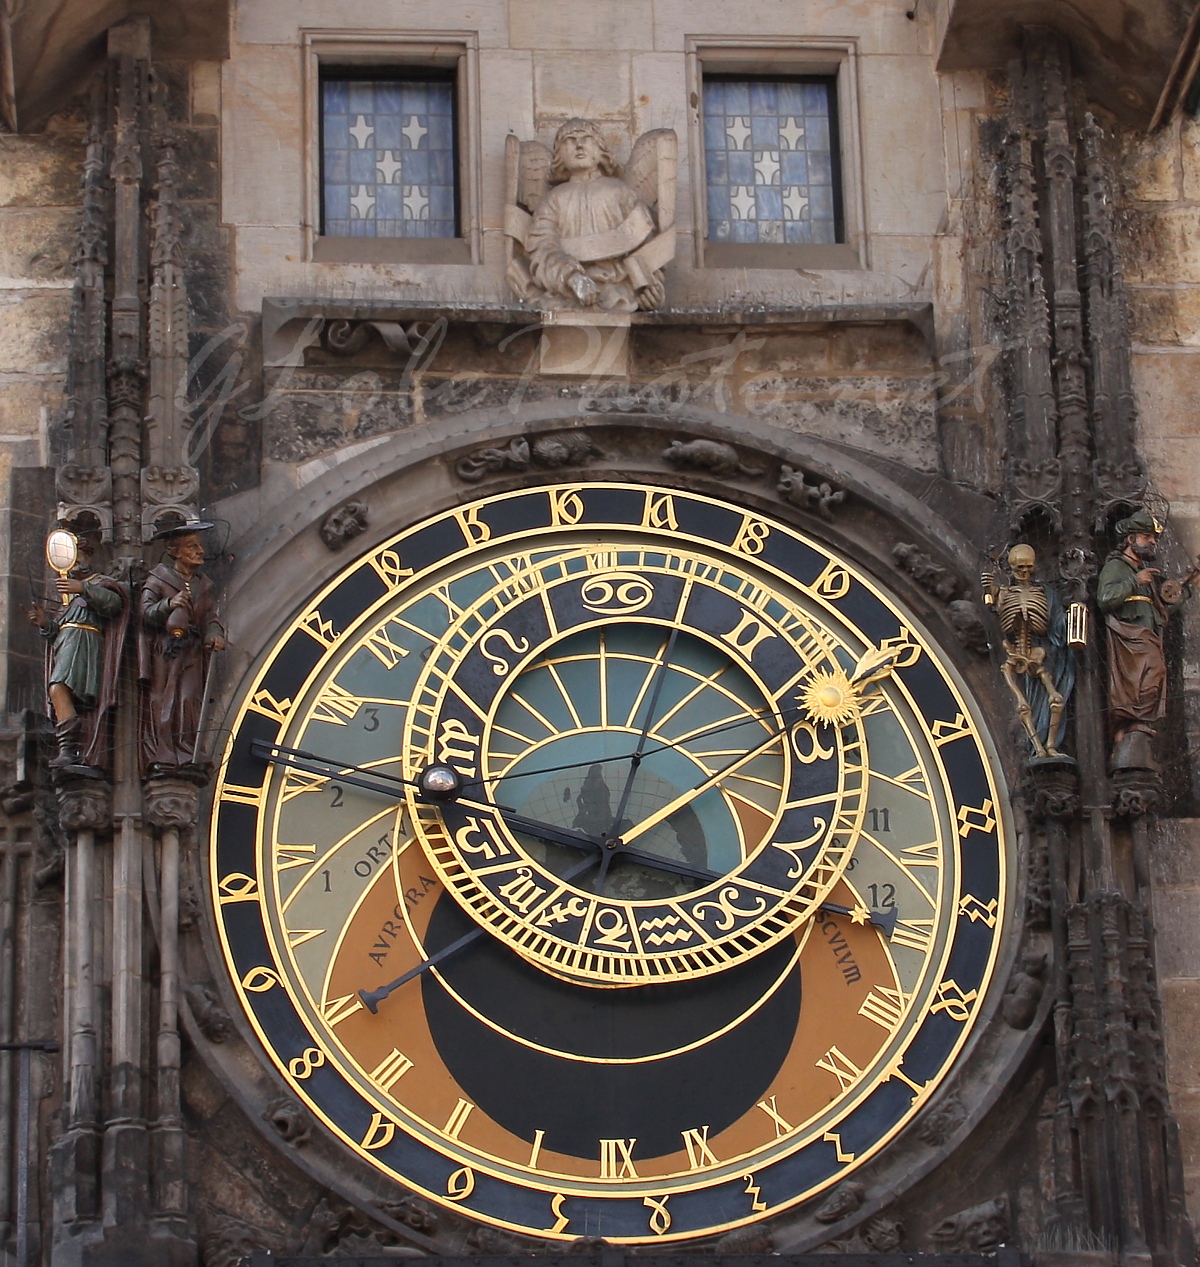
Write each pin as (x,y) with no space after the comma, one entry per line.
(586,233)
(169,496)
(344,524)
(948,587)
(289,1119)
(720,459)
(1024,991)
(348,338)
(981,1229)
(820,497)
(171,803)
(940,1123)
(85,497)
(1035,493)
(85,806)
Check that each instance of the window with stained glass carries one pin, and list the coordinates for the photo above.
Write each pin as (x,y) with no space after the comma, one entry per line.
(771,160)
(388,161)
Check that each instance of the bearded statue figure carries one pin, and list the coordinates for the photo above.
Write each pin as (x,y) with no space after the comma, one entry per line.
(588,234)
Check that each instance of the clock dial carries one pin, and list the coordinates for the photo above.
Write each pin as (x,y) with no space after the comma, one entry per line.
(713,900)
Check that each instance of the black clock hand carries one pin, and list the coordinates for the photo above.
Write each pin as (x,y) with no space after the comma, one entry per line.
(312,763)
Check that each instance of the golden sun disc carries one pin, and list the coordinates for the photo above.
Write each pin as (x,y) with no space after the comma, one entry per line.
(830,699)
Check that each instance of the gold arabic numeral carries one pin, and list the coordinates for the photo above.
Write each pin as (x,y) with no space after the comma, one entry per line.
(474,529)
(460,1184)
(747,634)
(916,934)
(660,1217)
(560,1219)
(521,892)
(456,744)
(616,1159)
(660,512)
(288,856)
(954,1001)
(237,886)
(379,1133)
(267,705)
(535,1150)
(836,1062)
(298,936)
(319,627)
(832,1137)
(833,583)
(884,1006)
(489,846)
(337,1010)
(700,1154)
(781,1124)
(981,819)
(259,980)
(390,1069)
(754,1192)
(566,506)
(301,1067)
(387,652)
(458,1118)
(752,536)
(976,910)
(390,567)
(945,732)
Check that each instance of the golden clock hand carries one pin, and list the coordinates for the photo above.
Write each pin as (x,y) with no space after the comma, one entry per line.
(684,797)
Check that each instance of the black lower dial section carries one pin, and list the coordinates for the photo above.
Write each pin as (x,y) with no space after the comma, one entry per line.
(578,1102)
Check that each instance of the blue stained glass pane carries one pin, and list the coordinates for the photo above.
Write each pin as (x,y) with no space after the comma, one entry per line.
(764,99)
(783,126)
(388,163)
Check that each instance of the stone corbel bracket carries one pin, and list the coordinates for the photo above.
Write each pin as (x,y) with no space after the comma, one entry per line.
(169,495)
(85,497)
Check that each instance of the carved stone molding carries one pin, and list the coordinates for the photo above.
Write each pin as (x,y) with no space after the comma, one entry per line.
(85,806)
(1055,788)
(344,524)
(348,338)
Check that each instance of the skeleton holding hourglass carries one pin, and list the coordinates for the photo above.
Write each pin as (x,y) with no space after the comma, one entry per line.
(1038,666)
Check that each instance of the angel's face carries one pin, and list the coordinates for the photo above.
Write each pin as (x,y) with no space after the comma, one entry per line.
(579,151)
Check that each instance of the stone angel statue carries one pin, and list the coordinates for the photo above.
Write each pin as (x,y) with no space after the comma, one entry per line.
(586,233)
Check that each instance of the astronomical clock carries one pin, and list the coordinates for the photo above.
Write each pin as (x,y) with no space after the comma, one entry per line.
(607,859)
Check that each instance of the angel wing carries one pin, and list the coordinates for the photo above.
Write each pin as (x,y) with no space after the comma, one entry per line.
(527,172)
(652,171)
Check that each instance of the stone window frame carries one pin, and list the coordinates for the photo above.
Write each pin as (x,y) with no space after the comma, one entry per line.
(394,52)
(784,56)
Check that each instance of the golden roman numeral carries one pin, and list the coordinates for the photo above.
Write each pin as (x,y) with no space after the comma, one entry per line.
(295,782)
(390,1069)
(782,1125)
(336,706)
(535,1149)
(836,1062)
(235,794)
(923,855)
(698,1151)
(298,936)
(884,1006)
(616,1159)
(458,1118)
(916,934)
(336,1011)
(288,856)
(387,652)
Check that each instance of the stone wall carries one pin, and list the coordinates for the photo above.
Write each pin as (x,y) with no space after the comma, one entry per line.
(1162,193)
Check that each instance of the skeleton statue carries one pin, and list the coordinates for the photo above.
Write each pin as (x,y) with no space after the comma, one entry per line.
(1038,666)
(588,235)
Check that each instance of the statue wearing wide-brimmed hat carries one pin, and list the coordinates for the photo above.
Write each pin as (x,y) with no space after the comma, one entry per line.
(1137,604)
(177,635)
